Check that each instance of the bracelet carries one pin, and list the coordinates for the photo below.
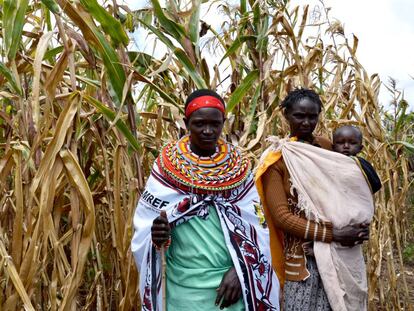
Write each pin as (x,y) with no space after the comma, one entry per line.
(166,244)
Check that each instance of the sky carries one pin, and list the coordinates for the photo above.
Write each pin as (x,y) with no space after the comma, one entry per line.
(385,29)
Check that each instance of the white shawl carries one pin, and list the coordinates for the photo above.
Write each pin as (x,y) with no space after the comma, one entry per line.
(331,187)
(245,232)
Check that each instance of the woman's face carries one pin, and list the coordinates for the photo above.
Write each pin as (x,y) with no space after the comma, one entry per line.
(303,117)
(205,126)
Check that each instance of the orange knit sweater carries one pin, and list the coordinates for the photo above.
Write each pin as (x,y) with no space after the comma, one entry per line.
(286,216)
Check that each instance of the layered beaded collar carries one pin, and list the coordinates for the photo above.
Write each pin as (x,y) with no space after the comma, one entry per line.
(225,170)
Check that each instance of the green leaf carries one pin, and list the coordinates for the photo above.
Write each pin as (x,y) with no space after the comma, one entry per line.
(243,6)
(242,89)
(406,144)
(174,29)
(256,16)
(47,19)
(194,24)
(110,25)
(115,71)
(90,82)
(155,87)
(51,5)
(159,34)
(120,125)
(9,13)
(96,38)
(18,28)
(401,119)
(253,102)
(9,76)
(249,120)
(236,44)
(189,67)
(263,37)
(53,52)
(142,61)
(13,22)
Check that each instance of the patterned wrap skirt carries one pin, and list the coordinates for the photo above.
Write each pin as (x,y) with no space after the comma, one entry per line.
(308,295)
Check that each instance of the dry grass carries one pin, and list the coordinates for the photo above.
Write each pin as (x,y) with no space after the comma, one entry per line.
(75,152)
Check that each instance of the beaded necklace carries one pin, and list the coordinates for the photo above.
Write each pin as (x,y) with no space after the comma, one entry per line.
(226,169)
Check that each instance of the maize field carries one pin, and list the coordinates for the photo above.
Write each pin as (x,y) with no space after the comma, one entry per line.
(83,115)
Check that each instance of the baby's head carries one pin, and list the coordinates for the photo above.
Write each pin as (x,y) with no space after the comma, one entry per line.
(347,140)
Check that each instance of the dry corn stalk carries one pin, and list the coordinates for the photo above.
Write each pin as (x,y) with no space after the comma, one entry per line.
(74,151)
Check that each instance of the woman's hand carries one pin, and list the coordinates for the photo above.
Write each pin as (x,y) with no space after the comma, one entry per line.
(160,230)
(351,235)
(229,290)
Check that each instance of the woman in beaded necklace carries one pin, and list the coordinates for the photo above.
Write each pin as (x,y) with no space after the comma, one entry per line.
(201,201)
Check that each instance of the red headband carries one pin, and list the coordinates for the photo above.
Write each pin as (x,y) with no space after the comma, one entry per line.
(206,101)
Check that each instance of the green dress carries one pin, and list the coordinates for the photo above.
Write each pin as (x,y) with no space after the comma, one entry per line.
(197,260)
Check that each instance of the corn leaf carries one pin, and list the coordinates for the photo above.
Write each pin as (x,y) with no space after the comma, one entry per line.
(53,52)
(13,22)
(236,45)
(62,126)
(51,5)
(190,69)
(406,144)
(12,272)
(110,25)
(164,39)
(111,115)
(174,29)
(243,6)
(95,37)
(9,14)
(155,87)
(242,89)
(77,179)
(9,76)
(194,23)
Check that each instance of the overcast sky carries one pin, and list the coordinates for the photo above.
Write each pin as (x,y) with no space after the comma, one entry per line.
(385,29)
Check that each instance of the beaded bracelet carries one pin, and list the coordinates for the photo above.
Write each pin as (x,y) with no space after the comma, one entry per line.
(166,244)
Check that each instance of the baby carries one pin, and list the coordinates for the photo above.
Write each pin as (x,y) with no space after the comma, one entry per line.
(348,141)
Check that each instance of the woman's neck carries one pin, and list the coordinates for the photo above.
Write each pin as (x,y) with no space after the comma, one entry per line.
(308,139)
(202,152)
